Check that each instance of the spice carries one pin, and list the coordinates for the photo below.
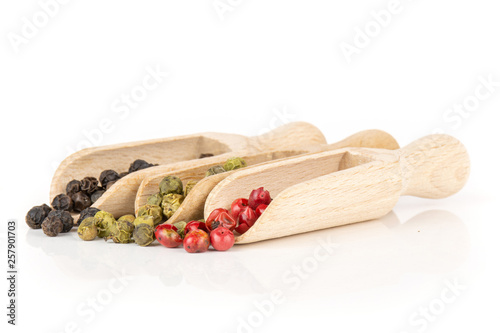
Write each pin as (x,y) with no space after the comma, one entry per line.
(73,186)
(155,199)
(109,184)
(220,217)
(96,195)
(152,210)
(129,218)
(108,176)
(167,235)
(62,202)
(89,185)
(87,212)
(171,202)
(121,231)
(259,196)
(123,174)
(87,229)
(190,184)
(234,163)
(193,225)
(80,201)
(104,220)
(222,239)
(144,234)
(36,215)
(139,165)
(196,241)
(204,155)
(214,170)
(181,228)
(65,217)
(144,219)
(52,226)
(171,184)
(246,220)
(237,206)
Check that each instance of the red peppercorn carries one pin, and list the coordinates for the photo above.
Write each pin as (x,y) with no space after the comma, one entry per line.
(237,206)
(220,217)
(260,209)
(259,196)
(246,220)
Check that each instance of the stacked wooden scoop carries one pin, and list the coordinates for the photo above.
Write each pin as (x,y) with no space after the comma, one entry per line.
(313,185)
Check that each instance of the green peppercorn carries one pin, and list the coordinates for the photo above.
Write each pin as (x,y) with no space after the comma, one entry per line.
(171,202)
(190,184)
(171,184)
(120,231)
(181,226)
(234,163)
(144,234)
(155,199)
(145,219)
(87,230)
(151,210)
(104,220)
(129,218)
(214,170)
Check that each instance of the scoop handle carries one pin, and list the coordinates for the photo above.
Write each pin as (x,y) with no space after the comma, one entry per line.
(288,137)
(372,138)
(435,166)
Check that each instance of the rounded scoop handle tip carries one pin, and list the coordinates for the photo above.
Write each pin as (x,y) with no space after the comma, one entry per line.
(435,166)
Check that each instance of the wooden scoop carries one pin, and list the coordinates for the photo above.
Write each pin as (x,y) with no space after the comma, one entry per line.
(193,205)
(328,189)
(92,161)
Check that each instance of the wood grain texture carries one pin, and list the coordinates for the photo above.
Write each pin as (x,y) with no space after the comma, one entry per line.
(92,161)
(192,207)
(120,198)
(196,171)
(328,189)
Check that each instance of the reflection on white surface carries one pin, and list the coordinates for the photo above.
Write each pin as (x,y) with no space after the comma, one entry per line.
(368,254)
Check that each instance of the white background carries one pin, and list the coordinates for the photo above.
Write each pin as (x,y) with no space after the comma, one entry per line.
(240,71)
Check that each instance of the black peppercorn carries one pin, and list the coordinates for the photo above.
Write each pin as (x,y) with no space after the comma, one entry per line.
(139,165)
(109,184)
(89,185)
(108,176)
(52,226)
(96,195)
(65,217)
(62,202)
(87,212)
(80,201)
(203,155)
(36,215)
(73,187)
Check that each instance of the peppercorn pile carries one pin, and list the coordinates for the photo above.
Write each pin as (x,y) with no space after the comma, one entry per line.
(79,196)
(160,207)
(219,228)
(151,222)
